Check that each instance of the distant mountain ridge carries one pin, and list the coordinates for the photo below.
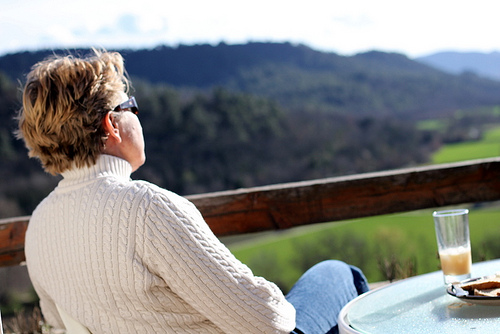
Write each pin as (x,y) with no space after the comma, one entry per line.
(300,78)
(483,64)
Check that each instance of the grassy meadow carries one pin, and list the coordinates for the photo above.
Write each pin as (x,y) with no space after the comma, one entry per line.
(487,147)
(388,246)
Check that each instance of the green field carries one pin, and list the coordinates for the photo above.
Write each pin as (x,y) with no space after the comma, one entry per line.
(403,244)
(488,147)
(407,238)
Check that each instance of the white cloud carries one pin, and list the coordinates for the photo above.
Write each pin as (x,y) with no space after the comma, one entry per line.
(340,26)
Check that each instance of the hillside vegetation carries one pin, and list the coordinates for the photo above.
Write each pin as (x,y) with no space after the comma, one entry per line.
(230,116)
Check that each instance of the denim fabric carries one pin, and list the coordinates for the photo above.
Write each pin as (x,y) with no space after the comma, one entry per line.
(321,293)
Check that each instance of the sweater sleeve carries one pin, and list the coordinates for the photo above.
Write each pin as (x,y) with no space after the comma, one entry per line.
(48,308)
(203,272)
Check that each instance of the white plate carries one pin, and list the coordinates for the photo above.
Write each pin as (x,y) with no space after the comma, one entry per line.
(455,290)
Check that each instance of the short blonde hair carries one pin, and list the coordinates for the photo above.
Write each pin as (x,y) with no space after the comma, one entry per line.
(64,102)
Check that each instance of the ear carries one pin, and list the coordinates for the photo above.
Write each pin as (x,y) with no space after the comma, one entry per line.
(110,127)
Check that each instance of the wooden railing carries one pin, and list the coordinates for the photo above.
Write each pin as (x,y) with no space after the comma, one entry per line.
(284,206)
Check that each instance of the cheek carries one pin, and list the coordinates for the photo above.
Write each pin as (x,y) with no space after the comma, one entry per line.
(139,135)
(133,132)
(137,138)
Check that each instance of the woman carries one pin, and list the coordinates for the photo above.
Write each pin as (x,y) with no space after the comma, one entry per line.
(123,256)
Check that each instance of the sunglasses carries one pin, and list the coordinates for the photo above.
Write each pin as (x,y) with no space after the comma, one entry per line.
(129,105)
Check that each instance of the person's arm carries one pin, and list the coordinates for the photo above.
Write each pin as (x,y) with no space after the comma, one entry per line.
(48,308)
(203,272)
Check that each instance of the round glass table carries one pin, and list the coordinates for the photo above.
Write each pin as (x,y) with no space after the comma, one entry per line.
(420,304)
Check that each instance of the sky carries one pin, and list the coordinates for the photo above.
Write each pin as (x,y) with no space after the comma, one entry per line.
(346,27)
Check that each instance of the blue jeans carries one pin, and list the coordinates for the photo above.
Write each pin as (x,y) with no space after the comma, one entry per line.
(321,293)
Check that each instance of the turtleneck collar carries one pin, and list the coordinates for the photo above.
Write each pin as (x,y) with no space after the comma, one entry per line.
(106,165)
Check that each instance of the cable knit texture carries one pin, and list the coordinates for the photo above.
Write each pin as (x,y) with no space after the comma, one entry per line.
(126,256)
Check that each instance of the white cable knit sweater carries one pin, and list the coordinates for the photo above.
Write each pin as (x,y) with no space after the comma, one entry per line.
(126,256)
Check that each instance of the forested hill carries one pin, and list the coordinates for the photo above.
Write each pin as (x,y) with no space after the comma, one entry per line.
(300,78)
(229,116)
